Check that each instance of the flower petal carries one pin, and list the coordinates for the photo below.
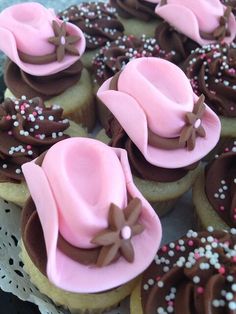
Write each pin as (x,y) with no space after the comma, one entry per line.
(127,250)
(105,237)
(116,217)
(107,254)
(72,50)
(185,134)
(200,131)
(54,40)
(137,229)
(60,53)
(72,39)
(56,28)
(190,118)
(191,141)
(63,29)
(133,211)
(199,106)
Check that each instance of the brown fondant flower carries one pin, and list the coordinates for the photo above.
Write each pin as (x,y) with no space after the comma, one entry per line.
(193,125)
(63,42)
(116,238)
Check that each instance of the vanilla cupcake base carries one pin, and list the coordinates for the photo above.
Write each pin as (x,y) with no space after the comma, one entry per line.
(138,27)
(77,101)
(18,193)
(162,196)
(135,300)
(205,215)
(75,302)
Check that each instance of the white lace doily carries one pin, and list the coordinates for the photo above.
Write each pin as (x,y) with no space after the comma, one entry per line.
(12,275)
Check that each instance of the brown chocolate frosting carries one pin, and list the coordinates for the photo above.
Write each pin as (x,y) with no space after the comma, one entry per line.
(46,87)
(114,56)
(140,9)
(194,275)
(211,70)
(97,20)
(220,186)
(139,165)
(27,129)
(171,40)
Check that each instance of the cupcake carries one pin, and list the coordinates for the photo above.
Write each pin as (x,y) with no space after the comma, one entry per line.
(211,70)
(115,55)
(199,23)
(99,23)
(165,128)
(137,16)
(47,64)
(214,192)
(27,129)
(195,274)
(85,242)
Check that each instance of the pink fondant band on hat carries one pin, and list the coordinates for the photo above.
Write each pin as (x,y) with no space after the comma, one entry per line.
(196,18)
(26,28)
(73,196)
(154,94)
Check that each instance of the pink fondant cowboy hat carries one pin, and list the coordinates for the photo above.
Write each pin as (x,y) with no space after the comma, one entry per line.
(155,104)
(203,21)
(37,41)
(73,198)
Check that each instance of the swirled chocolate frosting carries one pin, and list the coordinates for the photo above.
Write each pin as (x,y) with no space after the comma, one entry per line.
(97,20)
(140,9)
(212,72)
(170,39)
(27,129)
(220,185)
(139,165)
(45,87)
(194,275)
(115,55)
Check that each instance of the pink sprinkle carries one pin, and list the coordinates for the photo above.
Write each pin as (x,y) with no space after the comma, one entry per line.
(234,259)
(222,208)
(232,108)
(158,278)
(28,146)
(177,247)
(226,149)
(8,117)
(209,60)
(170,303)
(221,270)
(200,290)
(37,136)
(164,248)
(235,217)
(9,132)
(190,243)
(34,113)
(197,256)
